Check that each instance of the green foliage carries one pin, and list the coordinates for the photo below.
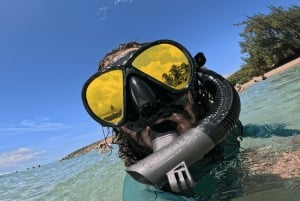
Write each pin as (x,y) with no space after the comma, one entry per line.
(268,41)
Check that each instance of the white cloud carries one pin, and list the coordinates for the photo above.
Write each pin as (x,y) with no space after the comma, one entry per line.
(103,10)
(122,1)
(37,124)
(17,156)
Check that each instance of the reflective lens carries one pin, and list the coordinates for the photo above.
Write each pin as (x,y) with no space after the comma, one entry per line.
(165,63)
(104,96)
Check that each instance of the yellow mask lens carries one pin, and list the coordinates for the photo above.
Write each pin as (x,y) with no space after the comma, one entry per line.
(165,63)
(104,96)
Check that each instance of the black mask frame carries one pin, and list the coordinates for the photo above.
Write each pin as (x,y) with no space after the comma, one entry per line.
(128,70)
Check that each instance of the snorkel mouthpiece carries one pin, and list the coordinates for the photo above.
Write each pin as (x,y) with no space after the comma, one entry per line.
(161,139)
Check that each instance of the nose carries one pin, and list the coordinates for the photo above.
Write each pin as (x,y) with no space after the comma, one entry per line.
(142,95)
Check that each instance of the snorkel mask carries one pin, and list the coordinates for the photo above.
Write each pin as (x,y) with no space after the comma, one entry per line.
(141,86)
(150,83)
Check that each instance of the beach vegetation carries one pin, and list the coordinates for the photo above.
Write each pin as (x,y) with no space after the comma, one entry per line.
(268,41)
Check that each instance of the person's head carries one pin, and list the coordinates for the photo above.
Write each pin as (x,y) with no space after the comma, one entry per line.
(162,106)
(135,144)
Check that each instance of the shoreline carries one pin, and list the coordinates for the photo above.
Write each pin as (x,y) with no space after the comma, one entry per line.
(284,67)
(102,145)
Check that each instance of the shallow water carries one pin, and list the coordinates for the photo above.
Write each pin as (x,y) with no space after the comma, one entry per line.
(271,146)
(270,114)
(88,177)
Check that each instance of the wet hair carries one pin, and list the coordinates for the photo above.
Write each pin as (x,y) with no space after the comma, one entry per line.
(121,47)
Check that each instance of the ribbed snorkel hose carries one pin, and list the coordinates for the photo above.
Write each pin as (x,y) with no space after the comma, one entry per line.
(225,110)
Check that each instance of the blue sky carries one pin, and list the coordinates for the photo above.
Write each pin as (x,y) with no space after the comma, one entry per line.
(48,49)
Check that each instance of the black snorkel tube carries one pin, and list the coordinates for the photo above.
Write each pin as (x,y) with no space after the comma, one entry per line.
(170,163)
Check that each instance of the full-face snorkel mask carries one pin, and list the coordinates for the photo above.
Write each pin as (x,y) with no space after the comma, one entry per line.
(149,85)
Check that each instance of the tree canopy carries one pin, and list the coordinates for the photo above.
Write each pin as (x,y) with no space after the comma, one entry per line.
(268,42)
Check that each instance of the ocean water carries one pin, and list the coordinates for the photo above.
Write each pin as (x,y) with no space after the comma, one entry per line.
(271,117)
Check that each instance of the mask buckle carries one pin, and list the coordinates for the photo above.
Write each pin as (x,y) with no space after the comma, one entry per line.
(180,179)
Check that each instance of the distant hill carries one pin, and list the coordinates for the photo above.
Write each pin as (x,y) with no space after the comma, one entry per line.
(91,147)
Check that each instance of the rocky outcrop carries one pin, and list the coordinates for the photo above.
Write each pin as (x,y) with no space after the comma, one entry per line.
(100,145)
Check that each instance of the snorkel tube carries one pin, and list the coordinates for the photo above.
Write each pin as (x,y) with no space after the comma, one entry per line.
(170,162)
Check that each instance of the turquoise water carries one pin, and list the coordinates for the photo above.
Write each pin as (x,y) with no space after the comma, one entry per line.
(270,114)
(92,176)
(271,118)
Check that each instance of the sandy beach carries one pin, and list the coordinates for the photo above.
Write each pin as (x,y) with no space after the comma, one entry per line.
(280,69)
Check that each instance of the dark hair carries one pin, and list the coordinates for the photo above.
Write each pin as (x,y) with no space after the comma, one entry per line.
(121,47)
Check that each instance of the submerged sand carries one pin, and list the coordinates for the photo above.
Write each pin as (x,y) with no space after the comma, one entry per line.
(285,165)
